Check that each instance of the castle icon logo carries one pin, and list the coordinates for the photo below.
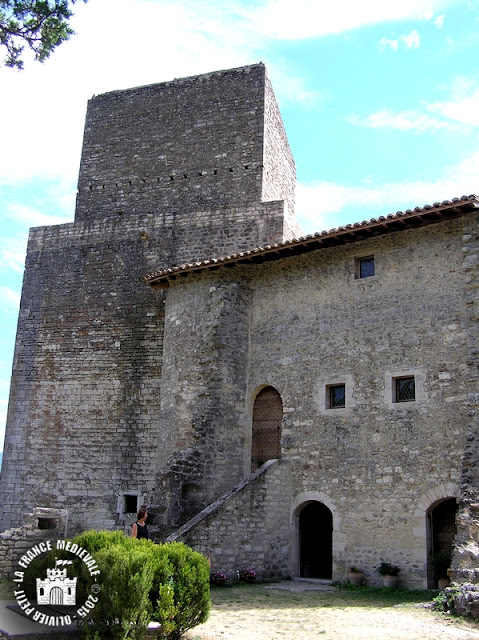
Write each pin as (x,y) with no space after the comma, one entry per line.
(58,591)
(57,588)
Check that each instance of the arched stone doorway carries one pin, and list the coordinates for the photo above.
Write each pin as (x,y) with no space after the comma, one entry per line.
(441,519)
(267,420)
(315,541)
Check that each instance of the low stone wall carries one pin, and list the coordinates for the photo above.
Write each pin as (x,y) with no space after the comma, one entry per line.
(466,602)
(247,528)
(41,524)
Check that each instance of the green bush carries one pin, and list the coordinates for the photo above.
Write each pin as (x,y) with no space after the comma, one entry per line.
(123,609)
(140,581)
(181,595)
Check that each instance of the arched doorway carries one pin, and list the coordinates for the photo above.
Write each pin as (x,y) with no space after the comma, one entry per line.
(316,541)
(56,596)
(441,534)
(267,419)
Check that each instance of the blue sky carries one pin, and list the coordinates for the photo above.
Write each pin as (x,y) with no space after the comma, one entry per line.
(380,101)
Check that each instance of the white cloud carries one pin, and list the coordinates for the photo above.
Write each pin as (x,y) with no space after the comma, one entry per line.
(411,40)
(32,217)
(319,203)
(10,299)
(309,18)
(458,114)
(12,253)
(290,88)
(465,110)
(402,121)
(439,21)
(385,42)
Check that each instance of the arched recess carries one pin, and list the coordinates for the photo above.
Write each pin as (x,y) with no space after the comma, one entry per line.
(266,429)
(315,541)
(440,534)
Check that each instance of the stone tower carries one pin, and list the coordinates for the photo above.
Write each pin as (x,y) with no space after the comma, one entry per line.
(197,166)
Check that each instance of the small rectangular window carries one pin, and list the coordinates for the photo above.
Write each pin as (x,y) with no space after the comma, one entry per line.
(405,389)
(130,503)
(336,396)
(365,267)
(47,523)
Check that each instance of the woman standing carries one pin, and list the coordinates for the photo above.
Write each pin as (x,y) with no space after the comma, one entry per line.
(139,529)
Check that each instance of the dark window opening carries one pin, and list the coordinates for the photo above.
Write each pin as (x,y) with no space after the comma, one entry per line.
(365,267)
(47,523)
(405,389)
(337,396)
(130,503)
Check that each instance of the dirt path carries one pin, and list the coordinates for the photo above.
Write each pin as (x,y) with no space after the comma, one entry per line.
(275,615)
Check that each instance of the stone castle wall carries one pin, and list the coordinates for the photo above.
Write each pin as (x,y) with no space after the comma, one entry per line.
(261,539)
(120,389)
(465,565)
(378,466)
(190,144)
(87,413)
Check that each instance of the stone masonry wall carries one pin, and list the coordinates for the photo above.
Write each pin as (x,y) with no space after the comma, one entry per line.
(372,463)
(85,393)
(203,390)
(250,528)
(465,564)
(279,167)
(189,144)
(15,542)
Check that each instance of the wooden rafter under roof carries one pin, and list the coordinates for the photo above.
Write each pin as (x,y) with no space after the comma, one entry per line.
(409,219)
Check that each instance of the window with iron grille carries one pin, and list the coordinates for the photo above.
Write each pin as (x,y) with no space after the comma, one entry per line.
(336,396)
(365,267)
(405,389)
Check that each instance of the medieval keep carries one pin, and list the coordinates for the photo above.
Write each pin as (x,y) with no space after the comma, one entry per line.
(294,405)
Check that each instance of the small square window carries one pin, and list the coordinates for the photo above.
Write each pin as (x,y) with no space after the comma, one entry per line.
(365,267)
(336,396)
(404,389)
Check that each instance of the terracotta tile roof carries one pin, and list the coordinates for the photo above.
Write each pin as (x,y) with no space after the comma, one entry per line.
(411,218)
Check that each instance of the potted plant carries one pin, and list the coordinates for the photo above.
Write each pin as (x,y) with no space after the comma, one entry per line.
(356,576)
(389,573)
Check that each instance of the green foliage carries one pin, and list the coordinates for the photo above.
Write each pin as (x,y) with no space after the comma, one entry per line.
(141,581)
(444,601)
(93,541)
(388,569)
(181,601)
(123,608)
(42,25)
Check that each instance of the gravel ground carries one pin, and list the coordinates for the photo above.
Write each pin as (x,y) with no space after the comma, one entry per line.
(302,611)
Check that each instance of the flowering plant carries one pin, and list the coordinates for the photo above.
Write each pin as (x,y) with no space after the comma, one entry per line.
(218,577)
(388,569)
(355,570)
(248,575)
